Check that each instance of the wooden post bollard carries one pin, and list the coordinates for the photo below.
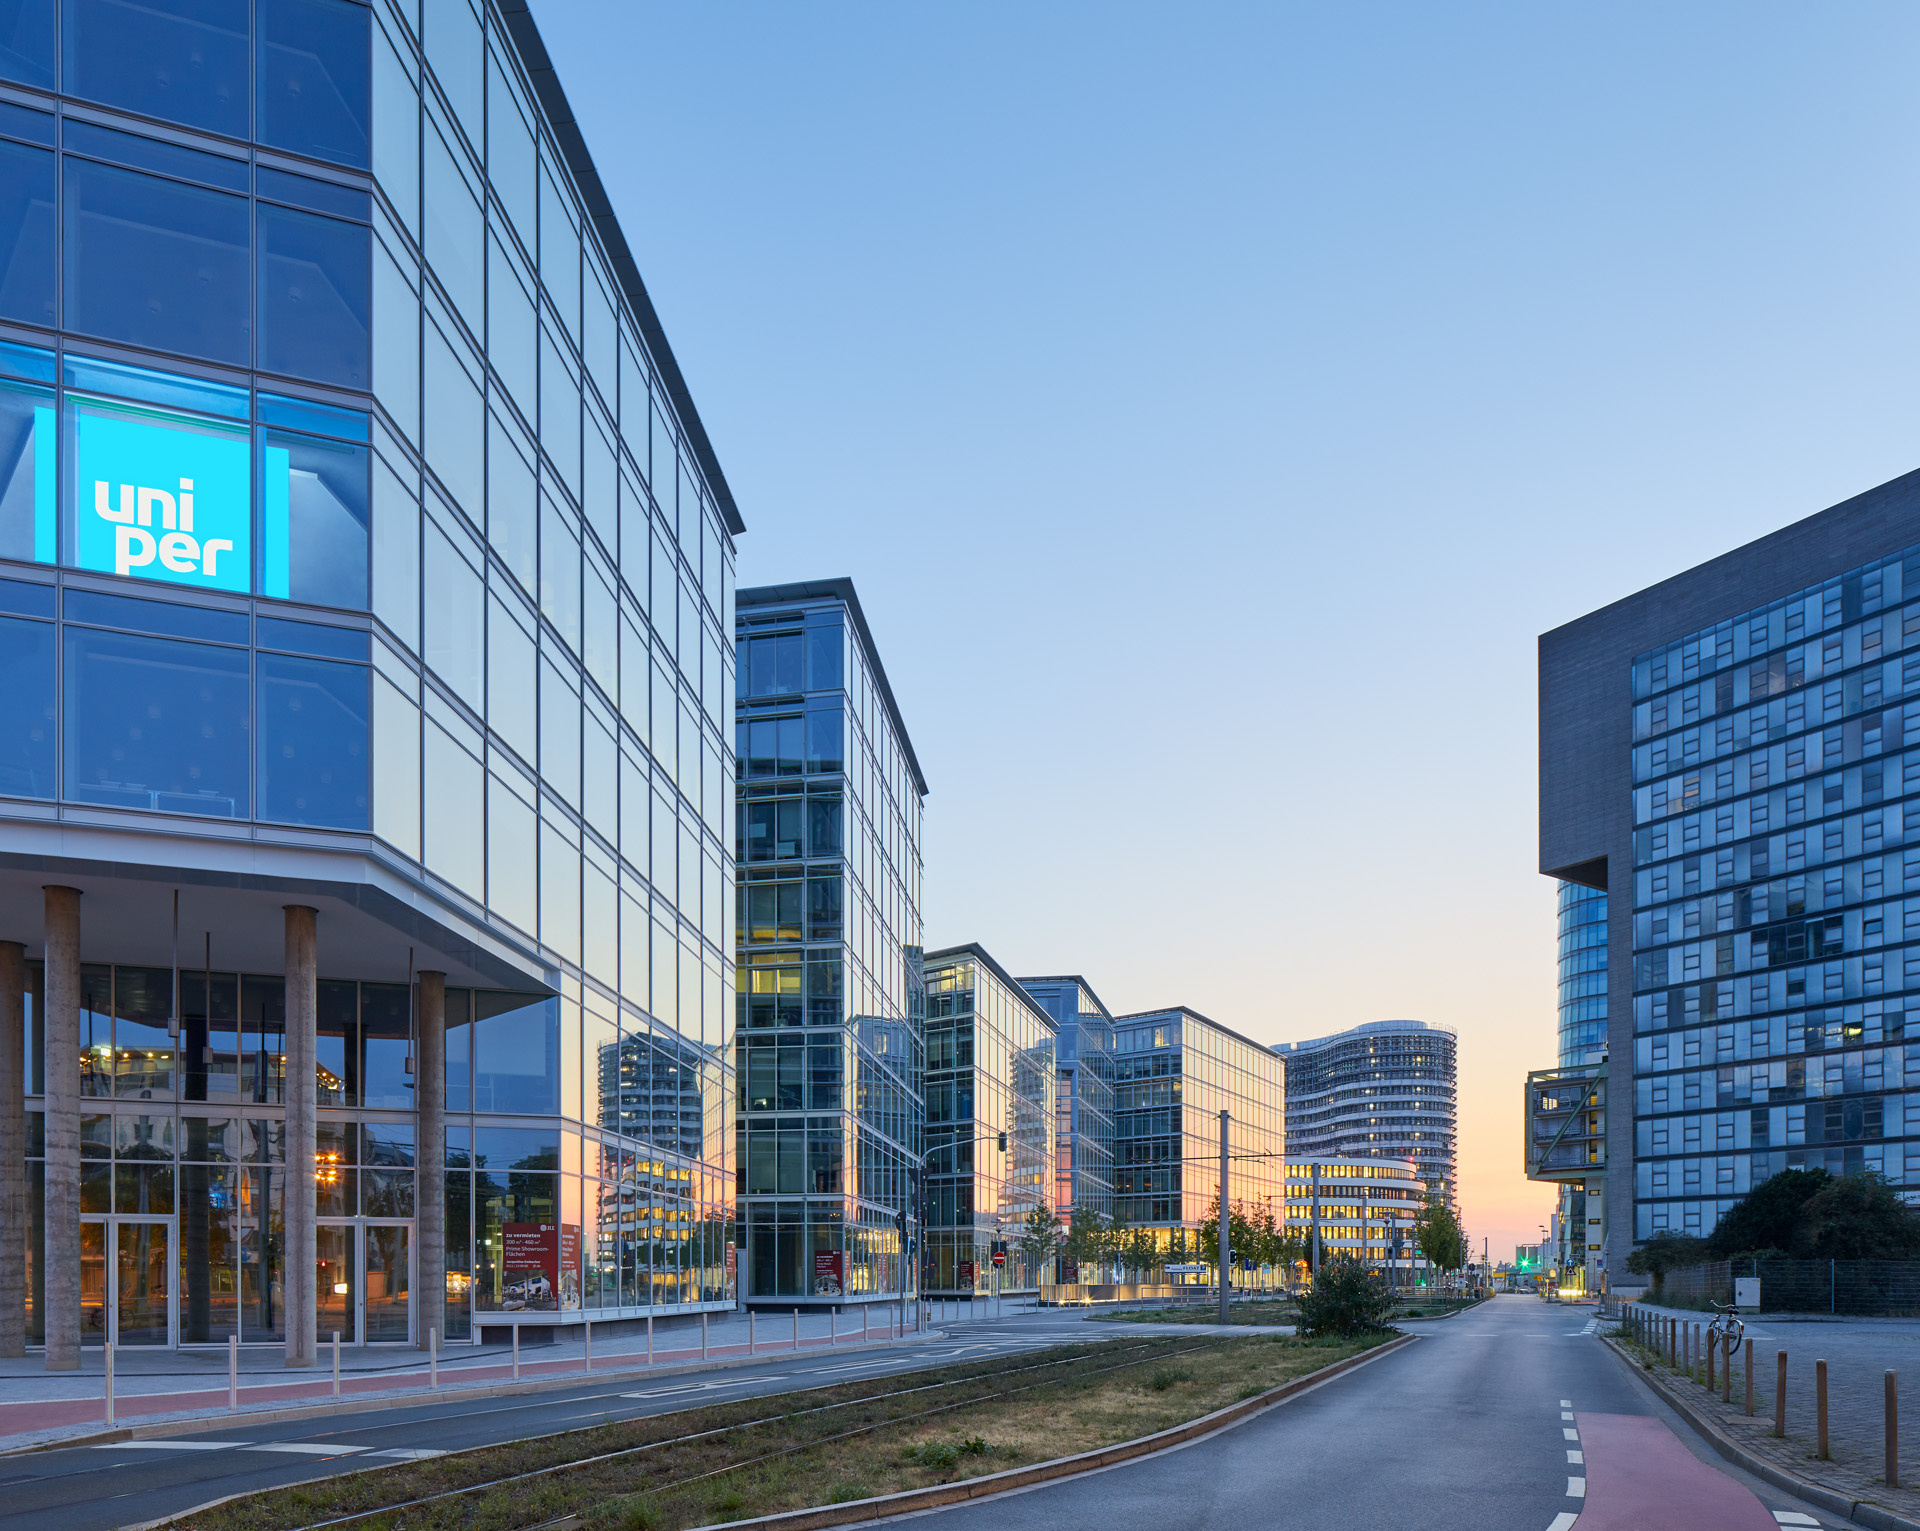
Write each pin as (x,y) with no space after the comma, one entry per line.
(1893,1429)
(1726,1373)
(1820,1406)
(1747,1386)
(1712,1345)
(1780,1397)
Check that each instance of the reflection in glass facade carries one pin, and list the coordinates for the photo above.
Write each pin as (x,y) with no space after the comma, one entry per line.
(1367,1208)
(1381,1090)
(353,510)
(1583,974)
(1174,1072)
(830,1051)
(1083,1110)
(990,1121)
(1771,793)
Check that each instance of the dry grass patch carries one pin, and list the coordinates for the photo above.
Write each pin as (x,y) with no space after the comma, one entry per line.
(852,1441)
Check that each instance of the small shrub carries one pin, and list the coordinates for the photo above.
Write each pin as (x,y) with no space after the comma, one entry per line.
(730,1501)
(974,1446)
(1346,1299)
(936,1454)
(1169,1376)
(843,1493)
(640,1517)
(1253,1390)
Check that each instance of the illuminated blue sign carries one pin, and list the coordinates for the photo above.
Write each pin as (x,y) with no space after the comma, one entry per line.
(162,497)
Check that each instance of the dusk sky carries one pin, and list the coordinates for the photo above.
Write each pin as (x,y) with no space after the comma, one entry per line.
(1213,403)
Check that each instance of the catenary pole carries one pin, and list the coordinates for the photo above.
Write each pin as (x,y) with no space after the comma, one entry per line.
(1226,1271)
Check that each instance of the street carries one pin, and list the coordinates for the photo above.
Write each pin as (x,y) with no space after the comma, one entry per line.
(1510,1415)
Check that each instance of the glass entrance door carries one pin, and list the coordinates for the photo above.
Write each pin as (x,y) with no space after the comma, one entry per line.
(127,1270)
(386,1280)
(335,1269)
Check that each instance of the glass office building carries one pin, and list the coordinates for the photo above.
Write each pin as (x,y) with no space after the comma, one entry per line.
(1363,1208)
(1174,1072)
(990,1122)
(1083,1102)
(831,1005)
(1583,975)
(1384,1089)
(366,608)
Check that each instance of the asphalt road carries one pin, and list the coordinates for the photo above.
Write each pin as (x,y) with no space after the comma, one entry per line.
(99,1488)
(1509,1416)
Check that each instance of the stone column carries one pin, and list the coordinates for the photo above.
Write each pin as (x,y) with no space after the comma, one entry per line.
(62,1197)
(13,1149)
(303,1003)
(429,1160)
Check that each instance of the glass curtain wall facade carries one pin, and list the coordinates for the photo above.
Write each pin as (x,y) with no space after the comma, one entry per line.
(990,1121)
(831,1003)
(1083,1108)
(352,508)
(1367,1208)
(1174,1072)
(1776,897)
(1583,974)
(1386,1089)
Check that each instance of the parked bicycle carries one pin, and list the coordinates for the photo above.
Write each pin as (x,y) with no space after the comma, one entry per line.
(1726,1326)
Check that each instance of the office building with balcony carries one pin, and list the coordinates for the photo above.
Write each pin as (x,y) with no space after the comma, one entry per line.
(1382,1090)
(991,1121)
(366,617)
(1083,1099)
(830,1051)
(1174,1072)
(1728,757)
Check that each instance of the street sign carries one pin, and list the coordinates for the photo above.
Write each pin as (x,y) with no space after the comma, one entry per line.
(999,1256)
(1186,1270)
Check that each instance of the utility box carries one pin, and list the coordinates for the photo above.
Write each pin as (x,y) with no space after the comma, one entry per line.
(1746,1292)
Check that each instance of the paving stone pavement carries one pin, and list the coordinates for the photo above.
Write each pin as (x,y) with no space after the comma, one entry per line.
(1858,1353)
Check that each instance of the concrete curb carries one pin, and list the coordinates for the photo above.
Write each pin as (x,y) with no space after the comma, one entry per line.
(909,1501)
(227,1419)
(1865,1511)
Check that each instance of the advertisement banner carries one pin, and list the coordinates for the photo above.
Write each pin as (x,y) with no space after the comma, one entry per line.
(732,1259)
(969,1272)
(828,1269)
(1069,1271)
(540,1267)
(162,497)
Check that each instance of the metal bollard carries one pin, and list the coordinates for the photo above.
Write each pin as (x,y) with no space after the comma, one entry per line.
(1820,1405)
(433,1358)
(1780,1396)
(703,1336)
(649,1336)
(1747,1388)
(588,1326)
(866,1325)
(336,1363)
(753,1330)
(233,1371)
(109,1384)
(796,1328)
(516,1352)
(1893,1428)
(833,1327)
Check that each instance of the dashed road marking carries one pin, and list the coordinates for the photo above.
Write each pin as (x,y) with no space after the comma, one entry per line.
(1566,1403)
(1794,1518)
(409,1453)
(307,1449)
(1566,1414)
(1570,1434)
(173,1446)
(1576,1488)
(1563,1521)
(1577,1458)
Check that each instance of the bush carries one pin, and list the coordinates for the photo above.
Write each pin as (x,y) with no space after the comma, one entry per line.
(1765,1218)
(1168,1377)
(1666,1251)
(1346,1298)
(1856,1217)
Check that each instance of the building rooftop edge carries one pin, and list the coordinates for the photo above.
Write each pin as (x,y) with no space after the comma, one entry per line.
(1191,1013)
(538,63)
(979,953)
(840,588)
(1384,1027)
(1105,1014)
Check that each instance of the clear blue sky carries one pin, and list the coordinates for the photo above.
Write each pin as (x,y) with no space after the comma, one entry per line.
(1212,404)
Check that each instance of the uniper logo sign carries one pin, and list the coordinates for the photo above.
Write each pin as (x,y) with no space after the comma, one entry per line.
(162,499)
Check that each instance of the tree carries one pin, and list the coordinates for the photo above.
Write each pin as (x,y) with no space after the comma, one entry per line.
(1243,1238)
(1347,1298)
(1856,1217)
(1141,1252)
(1437,1235)
(1666,1251)
(1039,1239)
(1767,1217)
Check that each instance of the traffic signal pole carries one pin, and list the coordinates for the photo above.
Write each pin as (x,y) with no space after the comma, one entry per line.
(1226,1270)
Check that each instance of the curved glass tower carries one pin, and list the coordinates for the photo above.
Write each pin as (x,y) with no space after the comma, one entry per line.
(1583,974)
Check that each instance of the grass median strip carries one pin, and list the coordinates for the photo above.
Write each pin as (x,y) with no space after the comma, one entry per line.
(1270,1311)
(826,1445)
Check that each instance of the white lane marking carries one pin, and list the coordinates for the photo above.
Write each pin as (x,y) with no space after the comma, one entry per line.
(1572,1435)
(1566,1403)
(1576,1488)
(173,1446)
(706,1387)
(409,1453)
(1794,1518)
(1566,1414)
(307,1448)
(1563,1521)
(1577,1458)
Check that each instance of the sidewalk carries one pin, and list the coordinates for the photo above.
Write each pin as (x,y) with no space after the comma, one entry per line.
(1858,1352)
(171,1386)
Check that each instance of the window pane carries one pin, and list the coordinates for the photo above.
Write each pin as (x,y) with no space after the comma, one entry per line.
(26,232)
(560,572)
(315,297)
(510,166)
(510,680)
(396,142)
(512,877)
(452,37)
(456,425)
(455,807)
(156,263)
(313,741)
(156,723)
(26,726)
(160,496)
(26,473)
(396,727)
(26,42)
(313,78)
(511,515)
(512,333)
(313,535)
(454,613)
(181,60)
(456,238)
